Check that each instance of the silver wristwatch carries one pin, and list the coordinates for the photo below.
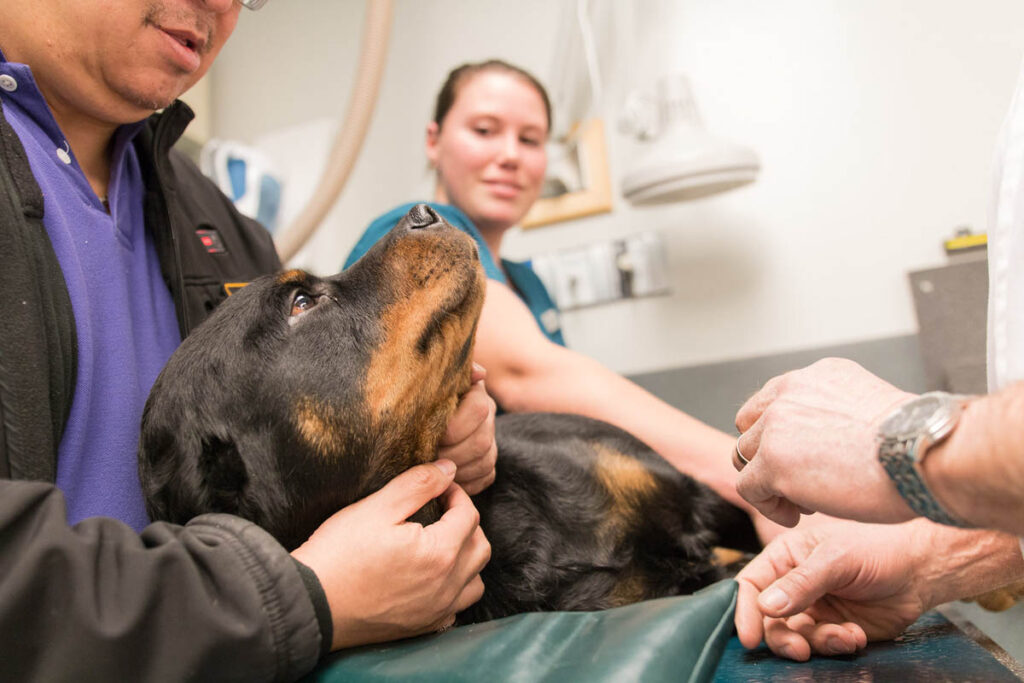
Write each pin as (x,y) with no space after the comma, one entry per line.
(906,436)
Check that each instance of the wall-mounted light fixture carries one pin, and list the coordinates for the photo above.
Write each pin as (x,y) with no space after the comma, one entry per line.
(679,159)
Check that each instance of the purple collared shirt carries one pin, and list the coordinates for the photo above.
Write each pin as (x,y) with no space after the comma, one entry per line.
(124,315)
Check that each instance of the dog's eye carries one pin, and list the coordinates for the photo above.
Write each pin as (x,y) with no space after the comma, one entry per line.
(302,303)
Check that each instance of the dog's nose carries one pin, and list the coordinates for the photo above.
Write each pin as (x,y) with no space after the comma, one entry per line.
(422,216)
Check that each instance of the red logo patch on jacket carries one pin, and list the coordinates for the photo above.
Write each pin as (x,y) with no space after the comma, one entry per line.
(211,240)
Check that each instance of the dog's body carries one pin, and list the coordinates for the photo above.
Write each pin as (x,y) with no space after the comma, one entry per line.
(583,516)
(301,395)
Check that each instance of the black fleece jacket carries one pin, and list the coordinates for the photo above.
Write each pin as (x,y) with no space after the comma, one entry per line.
(218,599)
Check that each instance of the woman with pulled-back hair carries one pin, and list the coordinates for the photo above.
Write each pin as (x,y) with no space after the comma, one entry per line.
(486,143)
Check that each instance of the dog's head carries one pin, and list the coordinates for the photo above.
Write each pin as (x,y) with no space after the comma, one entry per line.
(302,394)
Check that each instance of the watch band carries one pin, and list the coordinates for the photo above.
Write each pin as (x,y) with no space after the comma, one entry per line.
(899,463)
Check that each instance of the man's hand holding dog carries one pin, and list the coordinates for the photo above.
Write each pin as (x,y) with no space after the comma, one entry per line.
(469,440)
(810,438)
(386,578)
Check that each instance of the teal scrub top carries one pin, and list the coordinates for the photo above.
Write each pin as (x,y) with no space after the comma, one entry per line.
(520,276)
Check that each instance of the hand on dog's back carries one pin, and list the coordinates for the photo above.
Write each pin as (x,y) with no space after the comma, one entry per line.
(387,578)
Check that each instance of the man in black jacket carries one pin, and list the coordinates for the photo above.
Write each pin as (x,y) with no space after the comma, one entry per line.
(101,274)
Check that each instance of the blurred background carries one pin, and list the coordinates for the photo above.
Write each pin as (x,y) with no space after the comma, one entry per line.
(874,123)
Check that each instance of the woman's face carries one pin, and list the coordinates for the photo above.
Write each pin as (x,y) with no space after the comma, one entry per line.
(489,152)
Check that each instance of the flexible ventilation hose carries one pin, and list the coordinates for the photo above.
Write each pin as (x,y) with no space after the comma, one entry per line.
(350,136)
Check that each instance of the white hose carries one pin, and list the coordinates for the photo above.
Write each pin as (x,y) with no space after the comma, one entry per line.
(590,53)
(350,136)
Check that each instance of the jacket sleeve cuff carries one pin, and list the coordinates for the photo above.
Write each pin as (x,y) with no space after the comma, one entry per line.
(320,606)
(287,603)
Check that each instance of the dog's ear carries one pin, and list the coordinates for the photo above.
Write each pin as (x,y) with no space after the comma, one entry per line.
(185,474)
(222,469)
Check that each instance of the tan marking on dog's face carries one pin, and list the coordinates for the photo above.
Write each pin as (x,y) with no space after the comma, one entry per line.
(409,388)
(317,425)
(293,276)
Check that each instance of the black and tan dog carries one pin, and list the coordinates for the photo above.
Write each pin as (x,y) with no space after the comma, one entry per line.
(301,395)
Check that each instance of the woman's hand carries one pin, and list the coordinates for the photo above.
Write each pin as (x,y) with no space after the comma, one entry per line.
(469,441)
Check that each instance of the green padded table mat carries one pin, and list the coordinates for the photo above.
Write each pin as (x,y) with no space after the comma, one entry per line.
(671,639)
(687,638)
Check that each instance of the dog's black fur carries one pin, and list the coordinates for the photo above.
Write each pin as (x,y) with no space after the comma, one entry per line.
(301,395)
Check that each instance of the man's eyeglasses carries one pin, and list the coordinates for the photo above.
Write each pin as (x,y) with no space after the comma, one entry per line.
(253,4)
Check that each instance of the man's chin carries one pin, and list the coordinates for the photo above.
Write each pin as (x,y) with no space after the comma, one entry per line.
(148,100)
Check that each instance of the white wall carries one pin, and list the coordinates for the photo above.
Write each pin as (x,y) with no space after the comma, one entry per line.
(875,121)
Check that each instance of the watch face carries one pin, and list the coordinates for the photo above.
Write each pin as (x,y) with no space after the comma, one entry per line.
(915,417)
